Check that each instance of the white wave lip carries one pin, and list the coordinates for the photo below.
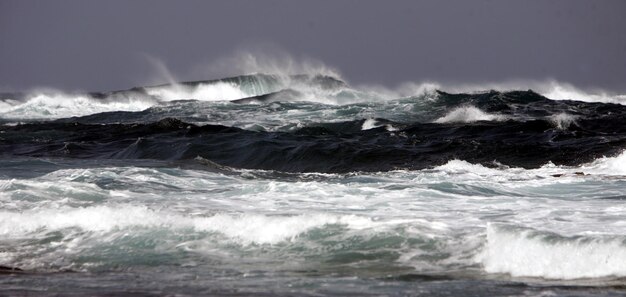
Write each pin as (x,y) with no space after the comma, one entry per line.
(468,114)
(563,91)
(463,167)
(373,123)
(243,228)
(59,105)
(607,165)
(530,253)
(219,91)
(551,89)
(604,166)
(562,120)
(54,105)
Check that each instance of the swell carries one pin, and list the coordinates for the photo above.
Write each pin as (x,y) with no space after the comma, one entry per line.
(54,104)
(280,110)
(519,129)
(326,147)
(265,88)
(253,85)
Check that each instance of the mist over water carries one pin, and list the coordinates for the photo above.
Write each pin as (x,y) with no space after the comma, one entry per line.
(286,180)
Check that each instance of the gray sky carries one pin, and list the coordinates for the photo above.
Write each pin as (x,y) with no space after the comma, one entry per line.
(102,45)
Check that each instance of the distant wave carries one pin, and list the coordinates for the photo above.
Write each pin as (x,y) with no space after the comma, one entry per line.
(304,176)
(59,105)
(328,147)
(336,128)
(54,104)
(311,88)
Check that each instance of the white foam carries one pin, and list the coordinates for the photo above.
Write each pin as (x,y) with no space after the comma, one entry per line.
(562,120)
(369,124)
(55,104)
(461,167)
(604,166)
(425,90)
(6,104)
(449,204)
(607,165)
(529,253)
(272,229)
(468,114)
(563,91)
(61,105)
(373,123)
(244,228)
(265,60)
(372,93)
(219,91)
(551,89)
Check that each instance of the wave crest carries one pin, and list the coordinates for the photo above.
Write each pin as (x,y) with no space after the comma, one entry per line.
(241,228)
(60,105)
(530,253)
(468,114)
(562,120)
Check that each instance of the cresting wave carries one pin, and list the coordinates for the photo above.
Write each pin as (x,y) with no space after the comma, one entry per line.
(318,88)
(305,137)
(604,166)
(54,104)
(530,253)
(83,211)
(468,114)
(241,228)
(304,177)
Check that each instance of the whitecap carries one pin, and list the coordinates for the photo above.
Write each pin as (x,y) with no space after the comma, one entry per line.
(523,252)
(60,105)
(468,114)
(218,91)
(242,228)
(562,120)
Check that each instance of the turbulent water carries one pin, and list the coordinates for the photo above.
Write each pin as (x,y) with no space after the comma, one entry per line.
(303,185)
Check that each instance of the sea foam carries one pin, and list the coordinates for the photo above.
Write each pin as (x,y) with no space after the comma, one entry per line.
(603,166)
(242,228)
(607,165)
(563,91)
(468,114)
(60,105)
(524,252)
(219,91)
(562,120)
(370,123)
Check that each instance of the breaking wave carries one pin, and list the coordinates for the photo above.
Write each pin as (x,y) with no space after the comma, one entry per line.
(60,105)
(258,88)
(468,114)
(531,253)
(241,228)
(277,170)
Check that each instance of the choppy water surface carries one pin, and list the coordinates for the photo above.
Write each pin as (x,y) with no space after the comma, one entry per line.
(305,186)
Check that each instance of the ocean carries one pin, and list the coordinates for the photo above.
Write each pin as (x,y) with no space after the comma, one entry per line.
(302,185)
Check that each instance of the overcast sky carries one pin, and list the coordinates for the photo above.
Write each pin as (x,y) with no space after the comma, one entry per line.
(104,45)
